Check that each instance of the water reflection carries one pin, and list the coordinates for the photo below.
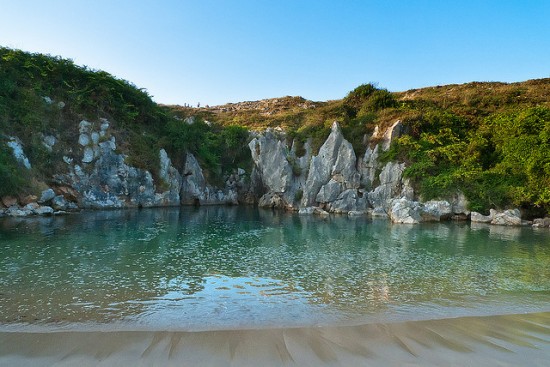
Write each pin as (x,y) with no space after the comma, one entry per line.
(229,266)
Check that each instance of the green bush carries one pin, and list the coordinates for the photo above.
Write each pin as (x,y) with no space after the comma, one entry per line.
(11,174)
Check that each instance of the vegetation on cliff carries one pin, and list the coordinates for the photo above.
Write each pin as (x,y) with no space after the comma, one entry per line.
(41,95)
(489,140)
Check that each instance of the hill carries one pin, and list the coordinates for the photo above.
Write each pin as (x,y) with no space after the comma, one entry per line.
(489,140)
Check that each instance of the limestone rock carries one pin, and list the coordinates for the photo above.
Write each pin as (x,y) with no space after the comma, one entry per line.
(44,210)
(84,139)
(368,166)
(541,222)
(329,192)
(480,218)
(28,199)
(15,211)
(272,200)
(170,176)
(510,217)
(441,209)
(307,211)
(391,186)
(336,160)
(46,196)
(48,142)
(18,153)
(405,211)
(348,201)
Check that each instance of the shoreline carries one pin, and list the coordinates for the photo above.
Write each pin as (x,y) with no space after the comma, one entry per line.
(506,340)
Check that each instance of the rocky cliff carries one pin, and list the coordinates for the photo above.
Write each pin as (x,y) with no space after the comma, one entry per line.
(334,180)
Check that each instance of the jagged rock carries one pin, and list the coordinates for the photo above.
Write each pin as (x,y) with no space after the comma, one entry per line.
(240,171)
(46,196)
(272,200)
(510,217)
(541,222)
(390,134)
(480,218)
(170,176)
(18,153)
(336,160)
(329,192)
(348,201)
(269,154)
(196,191)
(368,166)
(405,211)
(276,168)
(59,203)
(391,186)
(439,209)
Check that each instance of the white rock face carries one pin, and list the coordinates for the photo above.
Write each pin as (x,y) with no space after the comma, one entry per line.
(18,153)
(510,217)
(336,161)
(46,196)
(196,191)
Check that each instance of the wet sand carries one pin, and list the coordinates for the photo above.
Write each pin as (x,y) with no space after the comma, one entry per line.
(509,340)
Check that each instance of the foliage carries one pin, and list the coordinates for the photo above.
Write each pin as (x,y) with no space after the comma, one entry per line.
(11,175)
(503,161)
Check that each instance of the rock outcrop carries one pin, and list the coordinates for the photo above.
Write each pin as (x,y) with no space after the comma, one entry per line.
(196,191)
(103,179)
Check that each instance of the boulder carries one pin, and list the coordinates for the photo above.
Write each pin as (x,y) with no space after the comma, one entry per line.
(15,211)
(348,201)
(510,217)
(336,160)
(31,207)
(46,196)
(442,210)
(272,200)
(9,201)
(406,211)
(480,218)
(24,200)
(44,210)
(59,203)
(541,222)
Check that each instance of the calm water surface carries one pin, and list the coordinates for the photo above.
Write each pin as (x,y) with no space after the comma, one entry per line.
(222,267)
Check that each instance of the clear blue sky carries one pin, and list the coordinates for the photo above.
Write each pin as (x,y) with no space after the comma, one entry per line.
(216,51)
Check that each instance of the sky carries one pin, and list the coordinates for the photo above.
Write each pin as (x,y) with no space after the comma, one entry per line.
(218,51)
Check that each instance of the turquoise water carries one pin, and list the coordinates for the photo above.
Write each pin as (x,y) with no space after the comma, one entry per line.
(227,267)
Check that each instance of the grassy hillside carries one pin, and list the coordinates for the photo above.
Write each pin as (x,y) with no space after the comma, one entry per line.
(43,95)
(490,140)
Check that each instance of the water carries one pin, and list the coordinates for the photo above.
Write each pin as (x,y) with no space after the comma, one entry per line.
(219,268)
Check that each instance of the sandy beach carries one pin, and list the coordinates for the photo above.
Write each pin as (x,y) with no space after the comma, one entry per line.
(508,340)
